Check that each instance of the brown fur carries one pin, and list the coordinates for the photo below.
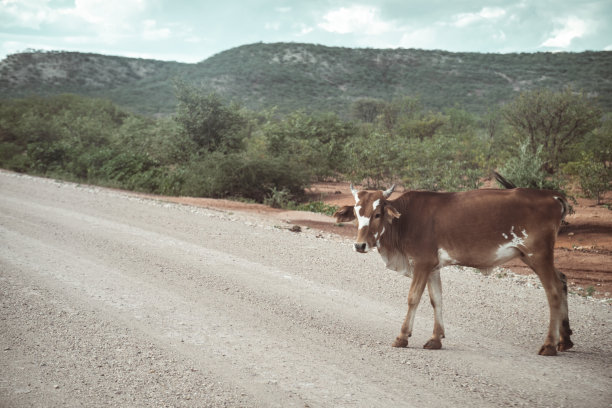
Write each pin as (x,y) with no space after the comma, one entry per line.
(481,228)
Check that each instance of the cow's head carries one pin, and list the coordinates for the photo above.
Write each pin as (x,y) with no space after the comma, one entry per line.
(373,213)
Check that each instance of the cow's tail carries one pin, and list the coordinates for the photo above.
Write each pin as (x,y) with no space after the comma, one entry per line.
(503,181)
(565,207)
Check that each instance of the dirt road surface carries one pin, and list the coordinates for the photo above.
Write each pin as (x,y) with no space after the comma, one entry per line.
(109,299)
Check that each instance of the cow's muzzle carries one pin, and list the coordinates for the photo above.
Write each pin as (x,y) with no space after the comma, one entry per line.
(360,247)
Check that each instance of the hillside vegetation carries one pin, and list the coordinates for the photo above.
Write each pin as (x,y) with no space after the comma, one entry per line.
(313,78)
(213,148)
(263,121)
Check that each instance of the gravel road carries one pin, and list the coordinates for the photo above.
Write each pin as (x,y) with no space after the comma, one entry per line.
(108,299)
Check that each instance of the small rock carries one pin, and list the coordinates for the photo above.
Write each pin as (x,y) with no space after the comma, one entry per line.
(295,228)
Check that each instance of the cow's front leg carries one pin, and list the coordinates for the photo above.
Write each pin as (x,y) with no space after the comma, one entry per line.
(434,286)
(419,280)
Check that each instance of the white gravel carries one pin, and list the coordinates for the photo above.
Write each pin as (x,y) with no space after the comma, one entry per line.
(108,299)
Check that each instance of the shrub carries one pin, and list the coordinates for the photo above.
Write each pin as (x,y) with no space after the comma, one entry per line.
(554,120)
(208,121)
(374,157)
(238,175)
(442,163)
(526,169)
(318,207)
(278,198)
(13,157)
(593,175)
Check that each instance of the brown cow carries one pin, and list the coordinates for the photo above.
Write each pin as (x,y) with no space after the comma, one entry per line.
(420,232)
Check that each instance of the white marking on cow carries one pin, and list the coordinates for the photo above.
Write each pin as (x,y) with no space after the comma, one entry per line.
(444,258)
(363,221)
(510,249)
(375,204)
(378,236)
(504,235)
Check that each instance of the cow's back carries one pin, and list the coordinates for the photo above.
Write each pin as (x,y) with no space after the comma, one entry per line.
(475,222)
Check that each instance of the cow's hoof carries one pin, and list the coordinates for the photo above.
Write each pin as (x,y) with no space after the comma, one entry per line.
(399,342)
(565,345)
(548,350)
(433,344)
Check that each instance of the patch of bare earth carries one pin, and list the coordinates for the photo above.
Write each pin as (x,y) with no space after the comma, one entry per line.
(583,248)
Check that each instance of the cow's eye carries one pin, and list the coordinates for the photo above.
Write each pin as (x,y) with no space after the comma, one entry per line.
(377,215)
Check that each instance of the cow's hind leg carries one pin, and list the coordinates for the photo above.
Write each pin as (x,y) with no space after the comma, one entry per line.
(557,300)
(419,280)
(565,343)
(434,286)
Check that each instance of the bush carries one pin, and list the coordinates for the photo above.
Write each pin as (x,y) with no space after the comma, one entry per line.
(374,157)
(13,157)
(442,163)
(315,141)
(278,198)
(593,175)
(526,169)
(238,175)
(554,120)
(208,121)
(318,207)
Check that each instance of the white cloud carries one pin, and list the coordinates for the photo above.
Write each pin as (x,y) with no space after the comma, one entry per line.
(355,19)
(572,27)
(487,13)
(106,17)
(26,14)
(420,38)
(107,12)
(499,36)
(303,29)
(272,26)
(150,31)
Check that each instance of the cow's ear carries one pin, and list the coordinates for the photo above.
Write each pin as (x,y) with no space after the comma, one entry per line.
(391,213)
(345,214)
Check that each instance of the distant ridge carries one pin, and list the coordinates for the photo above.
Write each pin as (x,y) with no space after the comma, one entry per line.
(294,76)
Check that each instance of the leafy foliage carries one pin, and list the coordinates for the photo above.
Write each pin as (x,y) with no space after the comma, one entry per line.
(207,121)
(526,169)
(594,177)
(313,141)
(311,77)
(217,149)
(318,207)
(553,120)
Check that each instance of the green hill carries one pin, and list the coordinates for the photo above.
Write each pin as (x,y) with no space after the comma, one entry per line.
(294,76)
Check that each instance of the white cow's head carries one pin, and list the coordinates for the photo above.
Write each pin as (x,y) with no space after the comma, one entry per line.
(373,213)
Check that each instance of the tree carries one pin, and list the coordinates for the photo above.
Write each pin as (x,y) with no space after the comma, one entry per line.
(593,176)
(367,109)
(207,121)
(553,120)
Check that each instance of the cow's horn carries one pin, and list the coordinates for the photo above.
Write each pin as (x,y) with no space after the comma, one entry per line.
(388,192)
(354,193)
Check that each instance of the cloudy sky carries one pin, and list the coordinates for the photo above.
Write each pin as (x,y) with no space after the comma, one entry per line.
(191,31)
